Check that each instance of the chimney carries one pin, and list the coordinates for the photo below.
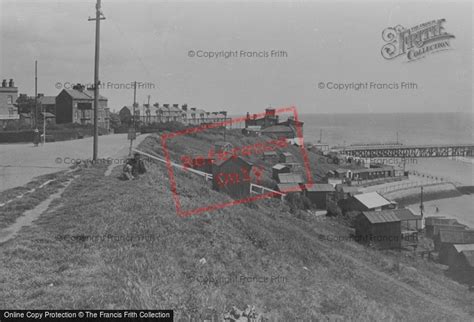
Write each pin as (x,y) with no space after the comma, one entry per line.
(4,83)
(11,83)
(78,87)
(184,107)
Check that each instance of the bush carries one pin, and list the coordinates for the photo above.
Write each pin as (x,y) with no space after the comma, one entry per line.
(16,136)
(160,127)
(297,201)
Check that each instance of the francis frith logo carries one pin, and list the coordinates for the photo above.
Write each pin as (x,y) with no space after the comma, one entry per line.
(416,42)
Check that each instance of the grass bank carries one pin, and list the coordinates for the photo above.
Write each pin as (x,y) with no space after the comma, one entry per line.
(120,245)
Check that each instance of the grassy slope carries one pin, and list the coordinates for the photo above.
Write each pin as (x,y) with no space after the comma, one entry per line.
(317,278)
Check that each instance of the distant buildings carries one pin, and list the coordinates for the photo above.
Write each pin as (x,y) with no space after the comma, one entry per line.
(8,97)
(173,113)
(76,105)
(270,125)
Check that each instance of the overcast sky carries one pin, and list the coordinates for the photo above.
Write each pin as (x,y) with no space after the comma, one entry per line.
(149,41)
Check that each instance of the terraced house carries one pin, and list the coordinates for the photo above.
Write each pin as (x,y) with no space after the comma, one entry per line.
(8,97)
(173,113)
(76,105)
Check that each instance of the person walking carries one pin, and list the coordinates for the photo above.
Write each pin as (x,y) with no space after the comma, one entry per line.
(36,137)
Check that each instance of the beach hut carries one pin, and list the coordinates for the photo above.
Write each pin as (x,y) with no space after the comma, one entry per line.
(434,224)
(446,238)
(368,201)
(318,193)
(344,191)
(287,157)
(288,188)
(293,178)
(381,229)
(270,156)
(279,168)
(232,176)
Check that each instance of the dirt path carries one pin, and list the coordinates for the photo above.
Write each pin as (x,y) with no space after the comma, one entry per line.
(30,216)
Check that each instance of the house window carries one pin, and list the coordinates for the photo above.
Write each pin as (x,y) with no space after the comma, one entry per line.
(10,111)
(10,100)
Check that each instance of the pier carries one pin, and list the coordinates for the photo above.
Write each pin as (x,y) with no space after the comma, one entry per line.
(408,151)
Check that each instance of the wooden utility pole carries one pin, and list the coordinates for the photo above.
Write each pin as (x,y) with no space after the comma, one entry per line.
(97,19)
(132,132)
(134,104)
(36,94)
(422,207)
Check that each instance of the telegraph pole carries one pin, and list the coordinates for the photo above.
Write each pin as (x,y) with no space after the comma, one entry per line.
(97,19)
(134,103)
(36,94)
(422,207)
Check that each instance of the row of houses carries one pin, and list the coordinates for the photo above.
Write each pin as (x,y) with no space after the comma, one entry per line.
(172,113)
(74,105)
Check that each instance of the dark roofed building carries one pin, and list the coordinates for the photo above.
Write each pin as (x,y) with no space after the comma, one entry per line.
(270,118)
(344,191)
(460,259)
(445,238)
(379,228)
(77,106)
(287,157)
(48,103)
(434,224)
(294,178)
(410,221)
(279,168)
(271,156)
(318,193)
(289,188)
(232,176)
(49,117)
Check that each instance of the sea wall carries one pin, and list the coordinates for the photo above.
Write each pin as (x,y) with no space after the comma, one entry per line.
(430,192)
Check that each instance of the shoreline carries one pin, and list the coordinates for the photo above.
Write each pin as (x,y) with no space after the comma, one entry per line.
(429,196)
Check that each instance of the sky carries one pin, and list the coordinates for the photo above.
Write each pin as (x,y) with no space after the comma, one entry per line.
(325,42)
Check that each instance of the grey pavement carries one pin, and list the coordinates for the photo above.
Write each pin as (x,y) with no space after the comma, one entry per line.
(20,163)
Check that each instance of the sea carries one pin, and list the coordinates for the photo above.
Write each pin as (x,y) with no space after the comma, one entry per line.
(407,129)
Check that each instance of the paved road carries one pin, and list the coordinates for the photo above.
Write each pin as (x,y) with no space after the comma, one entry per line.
(20,163)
